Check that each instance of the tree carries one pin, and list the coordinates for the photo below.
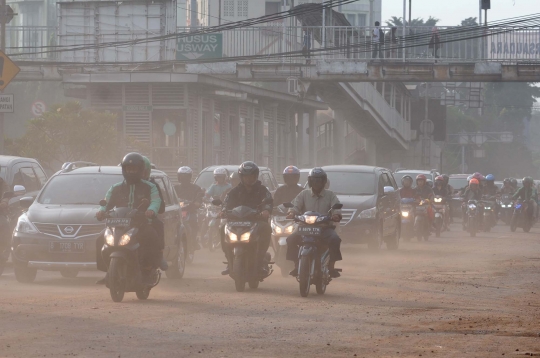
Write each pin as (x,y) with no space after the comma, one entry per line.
(69,133)
(398,21)
(470,21)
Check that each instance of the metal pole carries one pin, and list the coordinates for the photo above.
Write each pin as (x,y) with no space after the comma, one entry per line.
(404,28)
(323,26)
(463,159)
(219,17)
(3,48)
(371,22)
(410,11)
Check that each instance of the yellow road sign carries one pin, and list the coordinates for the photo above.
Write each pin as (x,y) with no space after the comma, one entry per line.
(8,70)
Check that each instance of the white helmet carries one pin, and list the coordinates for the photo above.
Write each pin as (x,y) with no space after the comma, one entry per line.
(220,171)
(185,170)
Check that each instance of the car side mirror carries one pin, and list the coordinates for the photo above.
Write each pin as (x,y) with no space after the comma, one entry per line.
(337,206)
(103,202)
(388,189)
(26,202)
(19,190)
(217,202)
(288,205)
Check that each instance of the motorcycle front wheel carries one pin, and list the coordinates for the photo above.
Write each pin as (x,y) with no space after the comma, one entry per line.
(472,227)
(305,275)
(513,223)
(117,279)
(238,271)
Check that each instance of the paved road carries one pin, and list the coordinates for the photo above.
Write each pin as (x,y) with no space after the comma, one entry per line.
(450,297)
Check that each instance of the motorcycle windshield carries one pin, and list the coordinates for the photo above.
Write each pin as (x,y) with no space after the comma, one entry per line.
(242,212)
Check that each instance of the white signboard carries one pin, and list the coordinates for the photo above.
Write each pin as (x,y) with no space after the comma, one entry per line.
(524,44)
(6,103)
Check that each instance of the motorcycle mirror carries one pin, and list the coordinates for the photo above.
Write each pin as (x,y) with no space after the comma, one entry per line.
(288,205)
(217,202)
(26,202)
(102,202)
(337,206)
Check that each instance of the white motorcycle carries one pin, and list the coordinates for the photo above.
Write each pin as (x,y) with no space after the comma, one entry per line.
(282,228)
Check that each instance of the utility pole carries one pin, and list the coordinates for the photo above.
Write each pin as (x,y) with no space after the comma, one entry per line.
(371,22)
(219,16)
(3,18)
(410,11)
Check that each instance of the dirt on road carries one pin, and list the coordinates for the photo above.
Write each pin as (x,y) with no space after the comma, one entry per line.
(454,296)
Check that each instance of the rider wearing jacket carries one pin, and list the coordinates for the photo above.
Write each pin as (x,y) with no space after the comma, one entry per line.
(490,188)
(187,190)
(289,191)
(319,200)
(130,193)
(407,191)
(220,186)
(250,192)
(423,191)
(507,188)
(528,194)
(439,189)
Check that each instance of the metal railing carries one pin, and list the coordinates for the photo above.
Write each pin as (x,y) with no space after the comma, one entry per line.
(295,44)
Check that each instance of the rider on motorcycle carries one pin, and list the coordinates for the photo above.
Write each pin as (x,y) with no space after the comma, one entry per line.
(507,188)
(220,186)
(407,190)
(289,191)
(188,191)
(320,200)
(130,193)
(250,192)
(423,190)
(439,188)
(528,194)
(514,184)
(490,188)
(473,192)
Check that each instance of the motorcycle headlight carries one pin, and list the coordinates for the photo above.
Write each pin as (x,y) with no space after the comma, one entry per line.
(245,236)
(405,214)
(109,237)
(126,238)
(310,219)
(368,213)
(277,229)
(289,229)
(438,200)
(233,236)
(25,226)
(488,207)
(472,206)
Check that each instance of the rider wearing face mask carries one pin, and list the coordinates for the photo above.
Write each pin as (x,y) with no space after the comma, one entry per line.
(250,192)
(320,200)
(286,193)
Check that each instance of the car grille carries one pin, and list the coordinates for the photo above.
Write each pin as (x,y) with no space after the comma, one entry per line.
(348,215)
(69,231)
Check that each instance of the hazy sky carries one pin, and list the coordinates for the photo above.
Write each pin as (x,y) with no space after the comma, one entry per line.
(451,12)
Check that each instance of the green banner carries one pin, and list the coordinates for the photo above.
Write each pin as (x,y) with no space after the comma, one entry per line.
(200,47)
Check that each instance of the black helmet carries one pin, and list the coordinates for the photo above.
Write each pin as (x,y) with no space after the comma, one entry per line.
(446,179)
(317,173)
(291,175)
(514,182)
(506,181)
(248,168)
(527,180)
(137,160)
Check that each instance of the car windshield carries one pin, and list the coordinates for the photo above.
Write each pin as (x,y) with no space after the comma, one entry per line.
(400,175)
(350,183)
(77,189)
(205,179)
(303,178)
(458,183)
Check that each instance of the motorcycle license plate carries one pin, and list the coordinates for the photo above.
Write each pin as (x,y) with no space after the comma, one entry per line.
(309,231)
(67,246)
(240,223)
(281,218)
(118,221)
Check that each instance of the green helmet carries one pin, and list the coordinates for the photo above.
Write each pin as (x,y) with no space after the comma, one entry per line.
(527,180)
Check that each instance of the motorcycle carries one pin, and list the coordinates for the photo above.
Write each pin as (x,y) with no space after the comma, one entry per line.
(120,251)
(421,221)
(189,218)
(313,256)
(507,208)
(212,237)
(281,229)
(407,218)
(241,233)
(521,217)
(489,219)
(441,214)
(472,217)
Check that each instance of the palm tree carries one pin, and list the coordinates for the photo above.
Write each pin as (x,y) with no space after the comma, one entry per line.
(398,21)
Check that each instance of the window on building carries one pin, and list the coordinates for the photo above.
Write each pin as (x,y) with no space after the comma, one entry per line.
(352,19)
(242,8)
(271,7)
(362,19)
(228,8)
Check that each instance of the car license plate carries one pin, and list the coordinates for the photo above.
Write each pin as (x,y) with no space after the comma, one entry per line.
(118,221)
(66,246)
(240,223)
(309,231)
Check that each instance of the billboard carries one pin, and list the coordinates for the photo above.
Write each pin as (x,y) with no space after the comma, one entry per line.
(519,45)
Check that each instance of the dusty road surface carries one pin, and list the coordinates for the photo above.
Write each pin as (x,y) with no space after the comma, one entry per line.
(450,297)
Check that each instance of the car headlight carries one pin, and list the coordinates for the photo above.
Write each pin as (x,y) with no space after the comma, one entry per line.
(25,226)
(245,236)
(126,238)
(109,237)
(232,236)
(368,213)
(310,219)
(405,214)
(289,229)
(438,200)
(278,230)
